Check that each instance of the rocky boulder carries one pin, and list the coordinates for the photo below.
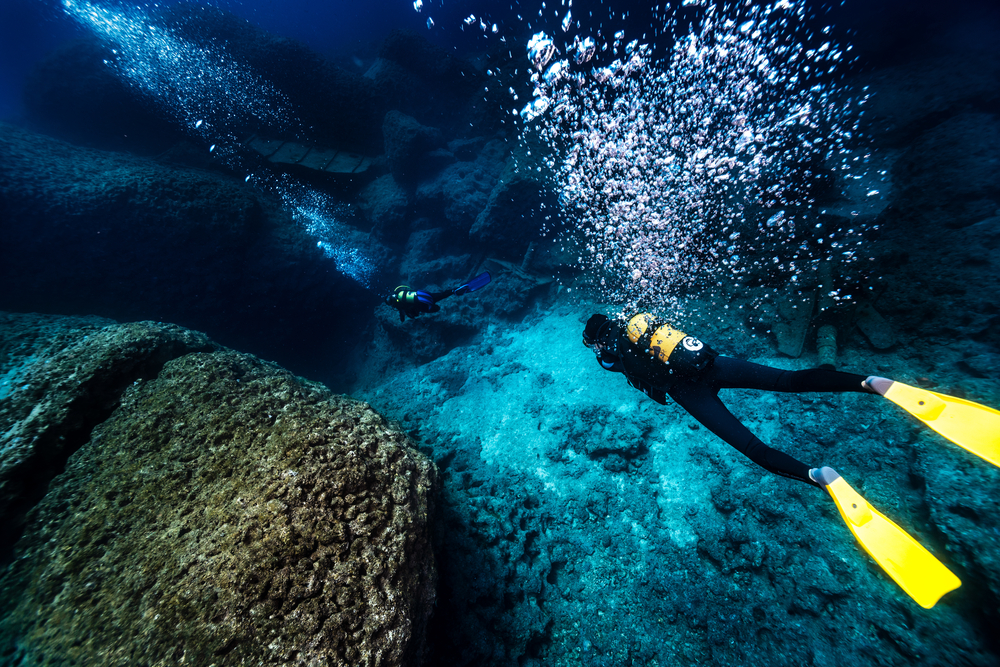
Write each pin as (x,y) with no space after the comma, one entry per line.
(909,99)
(222,511)
(60,377)
(516,210)
(425,81)
(407,143)
(954,168)
(386,206)
(459,193)
(431,257)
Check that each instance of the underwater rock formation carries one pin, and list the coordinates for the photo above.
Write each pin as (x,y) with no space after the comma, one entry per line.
(386,206)
(72,94)
(60,378)
(431,257)
(222,512)
(515,211)
(407,144)
(88,231)
(461,190)
(953,169)
(423,80)
(911,98)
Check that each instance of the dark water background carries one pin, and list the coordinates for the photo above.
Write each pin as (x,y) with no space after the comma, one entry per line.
(885,32)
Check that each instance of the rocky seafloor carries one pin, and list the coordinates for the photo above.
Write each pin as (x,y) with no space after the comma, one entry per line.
(167,499)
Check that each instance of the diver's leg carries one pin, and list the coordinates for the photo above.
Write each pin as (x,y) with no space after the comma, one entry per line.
(438,296)
(730,373)
(702,402)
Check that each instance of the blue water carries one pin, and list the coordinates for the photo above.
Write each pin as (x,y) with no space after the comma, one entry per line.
(733,164)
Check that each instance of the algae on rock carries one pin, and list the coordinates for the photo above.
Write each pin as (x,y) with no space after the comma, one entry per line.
(227,512)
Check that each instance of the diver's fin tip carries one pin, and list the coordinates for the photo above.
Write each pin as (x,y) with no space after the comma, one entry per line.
(921,576)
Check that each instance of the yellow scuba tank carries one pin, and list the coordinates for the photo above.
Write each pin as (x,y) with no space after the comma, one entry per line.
(683,354)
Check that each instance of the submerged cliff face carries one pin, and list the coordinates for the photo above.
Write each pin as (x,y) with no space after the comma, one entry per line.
(95,232)
(224,511)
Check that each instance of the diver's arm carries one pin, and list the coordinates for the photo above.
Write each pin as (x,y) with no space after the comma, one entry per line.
(610,362)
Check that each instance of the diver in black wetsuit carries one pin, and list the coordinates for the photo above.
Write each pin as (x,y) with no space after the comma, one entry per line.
(661,361)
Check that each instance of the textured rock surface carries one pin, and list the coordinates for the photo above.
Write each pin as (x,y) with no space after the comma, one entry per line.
(916,96)
(386,206)
(59,377)
(226,513)
(581,523)
(430,257)
(426,81)
(406,143)
(954,169)
(460,192)
(515,210)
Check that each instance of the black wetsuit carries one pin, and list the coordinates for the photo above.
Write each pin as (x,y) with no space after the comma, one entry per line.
(699,395)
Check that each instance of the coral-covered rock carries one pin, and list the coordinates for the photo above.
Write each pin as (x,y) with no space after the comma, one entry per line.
(407,142)
(226,512)
(60,377)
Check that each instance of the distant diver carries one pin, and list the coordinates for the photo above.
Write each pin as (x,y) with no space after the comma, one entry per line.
(411,303)
(660,361)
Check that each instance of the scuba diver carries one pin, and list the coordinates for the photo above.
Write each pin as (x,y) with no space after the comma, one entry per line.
(410,302)
(660,361)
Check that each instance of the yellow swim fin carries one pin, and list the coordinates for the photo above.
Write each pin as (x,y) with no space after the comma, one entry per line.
(922,576)
(969,425)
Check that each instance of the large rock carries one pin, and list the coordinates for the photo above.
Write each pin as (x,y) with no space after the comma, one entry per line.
(954,168)
(73,94)
(428,259)
(387,207)
(87,231)
(518,208)
(425,81)
(407,144)
(226,512)
(60,377)
(909,99)
(461,190)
